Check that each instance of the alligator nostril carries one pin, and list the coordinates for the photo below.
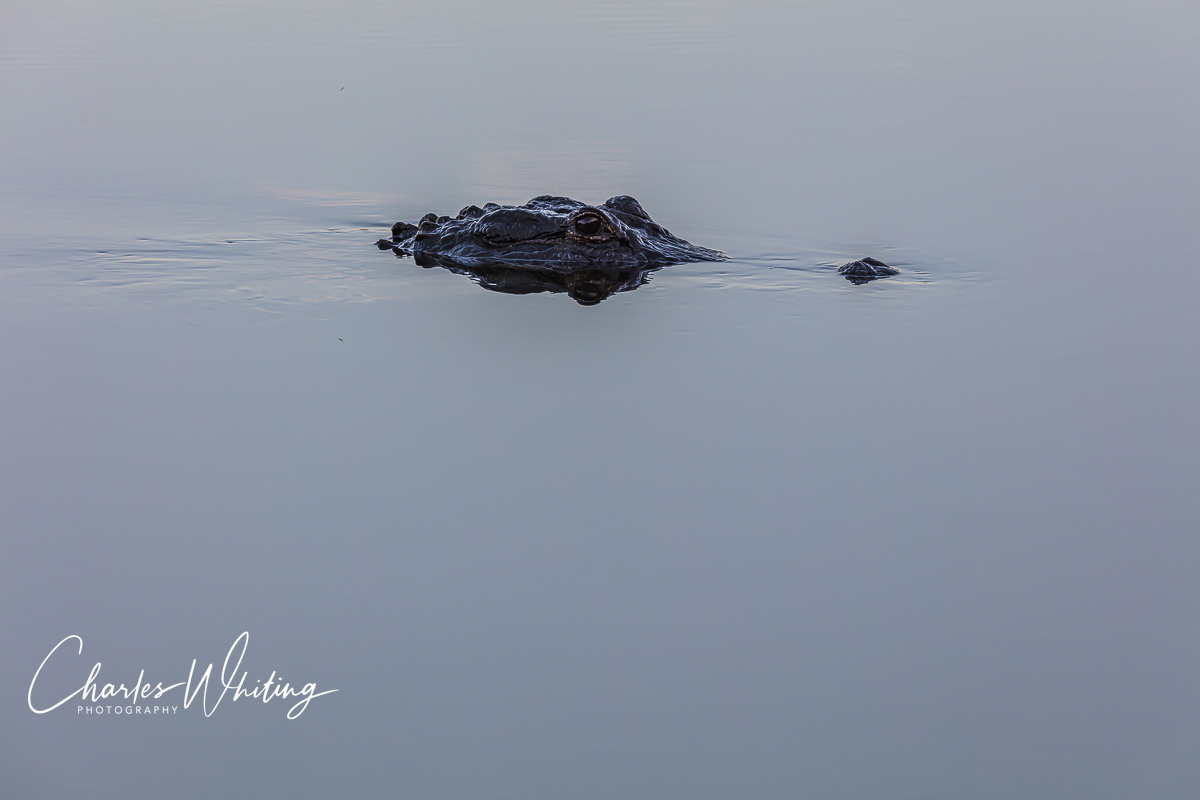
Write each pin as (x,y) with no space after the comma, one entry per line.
(428,226)
(430,217)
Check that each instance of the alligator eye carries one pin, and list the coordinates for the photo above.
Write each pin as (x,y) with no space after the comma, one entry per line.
(588,225)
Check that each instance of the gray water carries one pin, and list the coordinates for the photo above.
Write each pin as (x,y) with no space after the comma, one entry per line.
(748,531)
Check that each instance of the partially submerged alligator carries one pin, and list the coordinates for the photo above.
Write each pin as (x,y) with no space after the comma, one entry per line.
(556,244)
(549,244)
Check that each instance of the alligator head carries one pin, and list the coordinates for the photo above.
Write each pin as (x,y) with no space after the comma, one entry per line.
(562,244)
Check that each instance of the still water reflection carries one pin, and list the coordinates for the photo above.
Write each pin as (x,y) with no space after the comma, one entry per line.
(749,531)
(585,285)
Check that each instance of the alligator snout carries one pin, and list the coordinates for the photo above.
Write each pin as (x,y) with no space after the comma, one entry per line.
(515,225)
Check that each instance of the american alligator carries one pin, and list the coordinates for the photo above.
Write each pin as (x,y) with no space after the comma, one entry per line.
(549,244)
(556,244)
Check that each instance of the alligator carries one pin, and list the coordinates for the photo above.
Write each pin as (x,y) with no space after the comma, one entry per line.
(556,244)
(551,244)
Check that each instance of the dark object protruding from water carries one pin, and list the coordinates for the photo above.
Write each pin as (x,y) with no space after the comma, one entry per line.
(550,244)
(866,270)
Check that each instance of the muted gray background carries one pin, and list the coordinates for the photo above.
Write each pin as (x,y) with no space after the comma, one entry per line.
(748,531)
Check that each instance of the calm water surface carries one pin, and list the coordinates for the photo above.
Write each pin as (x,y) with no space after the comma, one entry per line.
(747,531)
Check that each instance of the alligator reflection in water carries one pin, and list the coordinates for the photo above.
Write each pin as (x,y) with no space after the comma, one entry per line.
(550,244)
(586,285)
